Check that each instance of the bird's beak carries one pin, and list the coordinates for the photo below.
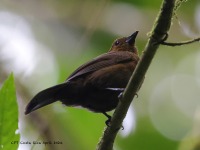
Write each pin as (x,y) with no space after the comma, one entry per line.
(131,39)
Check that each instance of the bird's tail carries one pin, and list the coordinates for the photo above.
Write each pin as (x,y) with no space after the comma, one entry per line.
(45,97)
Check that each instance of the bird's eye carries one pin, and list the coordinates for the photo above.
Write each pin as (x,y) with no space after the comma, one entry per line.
(117,43)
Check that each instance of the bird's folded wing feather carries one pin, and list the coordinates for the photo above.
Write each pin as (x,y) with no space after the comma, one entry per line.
(104,60)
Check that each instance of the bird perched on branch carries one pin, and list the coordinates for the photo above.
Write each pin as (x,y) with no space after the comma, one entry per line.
(96,84)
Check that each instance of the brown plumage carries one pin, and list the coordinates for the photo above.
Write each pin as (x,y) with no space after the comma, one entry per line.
(97,84)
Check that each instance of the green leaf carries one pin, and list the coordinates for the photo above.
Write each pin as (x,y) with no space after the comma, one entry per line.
(8,115)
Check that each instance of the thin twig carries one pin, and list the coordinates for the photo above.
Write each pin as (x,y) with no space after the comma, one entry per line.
(181,43)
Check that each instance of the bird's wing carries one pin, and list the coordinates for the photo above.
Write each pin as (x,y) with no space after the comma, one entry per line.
(102,61)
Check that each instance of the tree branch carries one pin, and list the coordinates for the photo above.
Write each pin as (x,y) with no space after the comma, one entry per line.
(159,31)
(181,43)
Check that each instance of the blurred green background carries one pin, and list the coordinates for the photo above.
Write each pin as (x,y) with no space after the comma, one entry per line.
(42,42)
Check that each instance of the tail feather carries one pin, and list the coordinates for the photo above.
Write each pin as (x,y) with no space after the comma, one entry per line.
(44,98)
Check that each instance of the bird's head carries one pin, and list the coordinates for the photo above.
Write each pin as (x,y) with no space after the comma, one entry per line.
(125,44)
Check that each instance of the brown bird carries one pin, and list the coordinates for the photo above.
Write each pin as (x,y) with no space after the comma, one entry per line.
(97,84)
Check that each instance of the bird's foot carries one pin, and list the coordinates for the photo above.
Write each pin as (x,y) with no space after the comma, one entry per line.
(120,96)
(108,121)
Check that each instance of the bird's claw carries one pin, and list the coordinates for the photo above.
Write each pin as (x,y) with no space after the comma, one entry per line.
(107,122)
(120,96)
